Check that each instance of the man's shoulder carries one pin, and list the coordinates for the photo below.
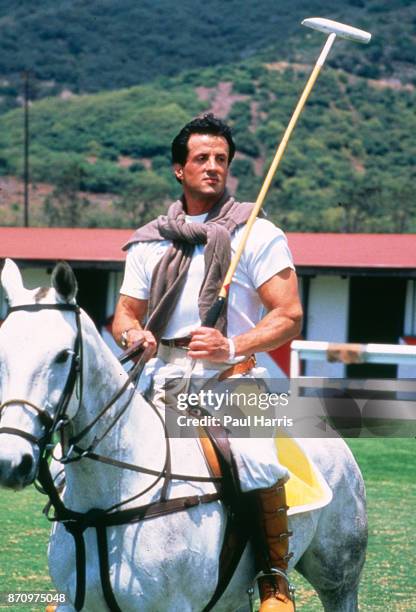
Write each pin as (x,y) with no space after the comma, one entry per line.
(148,246)
(264,224)
(145,234)
(264,230)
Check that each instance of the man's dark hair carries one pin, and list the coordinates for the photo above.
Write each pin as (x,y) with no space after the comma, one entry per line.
(208,124)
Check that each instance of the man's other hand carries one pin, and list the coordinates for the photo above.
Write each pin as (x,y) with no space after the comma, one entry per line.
(209,343)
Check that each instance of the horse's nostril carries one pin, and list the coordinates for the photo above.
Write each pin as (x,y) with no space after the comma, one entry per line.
(26,465)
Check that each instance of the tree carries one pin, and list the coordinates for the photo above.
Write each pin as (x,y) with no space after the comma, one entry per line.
(64,206)
(401,202)
(361,204)
(145,198)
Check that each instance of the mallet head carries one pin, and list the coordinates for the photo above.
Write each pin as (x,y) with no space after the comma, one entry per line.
(335,27)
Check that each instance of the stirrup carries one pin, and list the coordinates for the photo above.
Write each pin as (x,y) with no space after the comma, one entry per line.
(273,572)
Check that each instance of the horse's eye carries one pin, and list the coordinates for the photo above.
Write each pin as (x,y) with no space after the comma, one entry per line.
(62,356)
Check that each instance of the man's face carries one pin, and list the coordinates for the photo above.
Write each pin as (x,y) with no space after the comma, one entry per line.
(204,173)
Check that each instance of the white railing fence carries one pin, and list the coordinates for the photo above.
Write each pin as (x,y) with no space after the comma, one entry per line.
(349,353)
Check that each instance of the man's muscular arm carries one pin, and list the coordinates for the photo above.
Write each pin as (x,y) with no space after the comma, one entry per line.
(129,317)
(282,323)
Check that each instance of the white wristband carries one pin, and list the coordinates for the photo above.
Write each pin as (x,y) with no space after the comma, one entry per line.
(232,349)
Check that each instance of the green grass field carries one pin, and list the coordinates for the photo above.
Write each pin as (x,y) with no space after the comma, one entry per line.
(388,582)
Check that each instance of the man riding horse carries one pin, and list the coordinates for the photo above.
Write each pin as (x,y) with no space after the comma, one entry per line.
(174,268)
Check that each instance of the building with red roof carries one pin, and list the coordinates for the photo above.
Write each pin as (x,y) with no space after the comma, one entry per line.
(348,253)
(354,287)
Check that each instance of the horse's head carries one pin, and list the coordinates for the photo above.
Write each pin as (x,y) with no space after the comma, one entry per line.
(38,355)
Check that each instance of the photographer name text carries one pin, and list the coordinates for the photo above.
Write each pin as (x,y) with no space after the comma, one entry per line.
(251,420)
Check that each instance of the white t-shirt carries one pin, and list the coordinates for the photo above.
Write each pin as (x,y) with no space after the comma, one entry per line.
(266,253)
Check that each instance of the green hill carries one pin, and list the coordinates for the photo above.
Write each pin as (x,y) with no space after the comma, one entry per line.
(109,44)
(349,166)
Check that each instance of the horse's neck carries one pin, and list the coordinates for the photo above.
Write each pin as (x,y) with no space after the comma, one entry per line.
(136,438)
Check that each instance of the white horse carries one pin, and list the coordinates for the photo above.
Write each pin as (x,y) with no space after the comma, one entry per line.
(163,564)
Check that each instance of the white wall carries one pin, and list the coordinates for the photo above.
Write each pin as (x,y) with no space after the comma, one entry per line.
(327,320)
(114,284)
(407,371)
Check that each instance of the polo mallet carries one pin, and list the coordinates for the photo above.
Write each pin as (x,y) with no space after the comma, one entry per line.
(334,29)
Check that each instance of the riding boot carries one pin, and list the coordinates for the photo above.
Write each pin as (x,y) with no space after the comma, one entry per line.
(270,539)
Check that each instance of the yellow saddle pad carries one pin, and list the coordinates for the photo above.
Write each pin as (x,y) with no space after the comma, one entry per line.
(306,488)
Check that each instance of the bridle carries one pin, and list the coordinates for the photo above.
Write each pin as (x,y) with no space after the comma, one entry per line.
(51,423)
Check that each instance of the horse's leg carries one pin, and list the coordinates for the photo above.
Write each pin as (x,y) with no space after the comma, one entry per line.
(334,560)
(335,557)
(335,594)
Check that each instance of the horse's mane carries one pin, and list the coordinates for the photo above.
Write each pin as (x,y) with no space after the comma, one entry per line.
(41,293)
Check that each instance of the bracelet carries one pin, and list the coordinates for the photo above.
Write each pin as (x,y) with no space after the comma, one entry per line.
(232,349)
(124,341)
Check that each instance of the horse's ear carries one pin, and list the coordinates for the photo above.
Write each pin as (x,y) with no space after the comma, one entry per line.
(11,279)
(64,281)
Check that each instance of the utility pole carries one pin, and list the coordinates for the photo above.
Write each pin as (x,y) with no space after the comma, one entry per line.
(26,148)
